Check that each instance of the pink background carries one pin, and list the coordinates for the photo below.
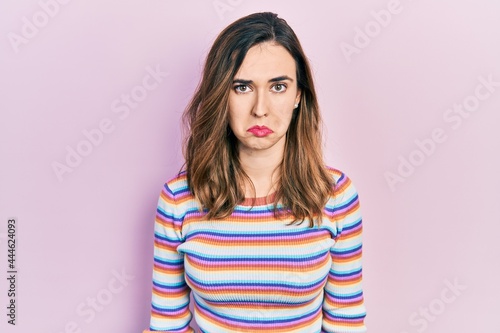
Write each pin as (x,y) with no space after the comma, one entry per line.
(434,228)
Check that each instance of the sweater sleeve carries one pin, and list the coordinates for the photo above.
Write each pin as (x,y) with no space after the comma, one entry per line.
(343,306)
(170,297)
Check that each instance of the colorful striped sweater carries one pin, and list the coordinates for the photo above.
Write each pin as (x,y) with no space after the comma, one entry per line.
(252,272)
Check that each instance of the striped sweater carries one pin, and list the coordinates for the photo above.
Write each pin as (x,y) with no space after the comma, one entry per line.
(252,272)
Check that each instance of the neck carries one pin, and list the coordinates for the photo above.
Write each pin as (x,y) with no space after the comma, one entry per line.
(262,168)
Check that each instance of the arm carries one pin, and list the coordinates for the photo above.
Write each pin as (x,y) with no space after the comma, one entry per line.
(170,298)
(343,306)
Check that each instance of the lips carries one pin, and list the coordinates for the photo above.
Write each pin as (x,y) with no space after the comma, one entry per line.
(260,131)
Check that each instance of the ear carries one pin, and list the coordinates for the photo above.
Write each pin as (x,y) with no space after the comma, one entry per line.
(297,98)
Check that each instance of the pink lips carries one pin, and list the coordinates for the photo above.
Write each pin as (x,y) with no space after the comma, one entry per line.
(260,131)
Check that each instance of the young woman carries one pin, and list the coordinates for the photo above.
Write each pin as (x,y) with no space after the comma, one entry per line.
(264,235)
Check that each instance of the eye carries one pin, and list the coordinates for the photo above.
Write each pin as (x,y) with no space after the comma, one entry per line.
(241,88)
(279,87)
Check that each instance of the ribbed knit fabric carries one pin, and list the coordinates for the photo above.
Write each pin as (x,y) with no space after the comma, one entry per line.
(252,272)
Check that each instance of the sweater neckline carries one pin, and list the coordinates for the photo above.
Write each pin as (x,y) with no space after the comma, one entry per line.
(259,201)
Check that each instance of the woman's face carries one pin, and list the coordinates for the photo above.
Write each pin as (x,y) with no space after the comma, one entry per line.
(262,98)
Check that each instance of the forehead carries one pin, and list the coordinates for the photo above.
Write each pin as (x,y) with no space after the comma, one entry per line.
(266,60)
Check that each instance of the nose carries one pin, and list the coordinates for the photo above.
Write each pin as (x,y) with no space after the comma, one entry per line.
(260,108)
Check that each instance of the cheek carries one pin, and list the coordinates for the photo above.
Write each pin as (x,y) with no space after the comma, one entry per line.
(237,111)
(240,109)
(232,112)
(284,113)
(231,120)
(283,104)
(235,121)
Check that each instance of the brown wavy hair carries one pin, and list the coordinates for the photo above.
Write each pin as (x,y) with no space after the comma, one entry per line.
(214,174)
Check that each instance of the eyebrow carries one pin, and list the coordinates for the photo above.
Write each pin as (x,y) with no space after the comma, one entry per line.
(274,79)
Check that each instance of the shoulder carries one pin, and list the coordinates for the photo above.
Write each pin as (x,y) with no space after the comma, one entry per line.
(177,186)
(342,210)
(343,186)
(176,198)
(177,182)
(340,179)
